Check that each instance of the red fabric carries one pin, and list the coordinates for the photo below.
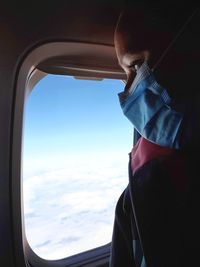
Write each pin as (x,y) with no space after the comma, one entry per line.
(178,170)
(145,151)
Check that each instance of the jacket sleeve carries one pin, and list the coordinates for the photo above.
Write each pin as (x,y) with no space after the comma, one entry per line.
(166,212)
(122,242)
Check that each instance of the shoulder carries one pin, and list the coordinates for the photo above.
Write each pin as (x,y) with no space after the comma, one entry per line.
(168,171)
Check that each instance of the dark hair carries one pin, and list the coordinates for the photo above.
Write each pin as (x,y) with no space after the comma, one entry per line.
(172,23)
(166,18)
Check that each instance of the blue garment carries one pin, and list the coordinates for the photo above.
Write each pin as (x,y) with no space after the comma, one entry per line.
(148,106)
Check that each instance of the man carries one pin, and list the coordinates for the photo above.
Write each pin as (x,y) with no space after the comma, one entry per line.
(153,215)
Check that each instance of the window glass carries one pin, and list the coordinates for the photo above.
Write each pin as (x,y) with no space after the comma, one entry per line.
(75,158)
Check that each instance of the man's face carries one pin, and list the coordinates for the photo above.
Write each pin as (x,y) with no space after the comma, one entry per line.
(135,42)
(130,52)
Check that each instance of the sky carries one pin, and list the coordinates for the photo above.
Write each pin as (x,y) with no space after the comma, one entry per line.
(75,157)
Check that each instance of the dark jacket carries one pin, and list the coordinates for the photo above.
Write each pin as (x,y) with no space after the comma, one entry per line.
(157,216)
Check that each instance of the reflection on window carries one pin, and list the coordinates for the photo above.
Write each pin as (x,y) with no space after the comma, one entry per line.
(76,144)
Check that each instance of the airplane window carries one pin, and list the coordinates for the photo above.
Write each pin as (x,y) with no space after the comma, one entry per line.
(75,157)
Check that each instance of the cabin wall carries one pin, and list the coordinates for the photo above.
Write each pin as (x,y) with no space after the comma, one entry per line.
(22,28)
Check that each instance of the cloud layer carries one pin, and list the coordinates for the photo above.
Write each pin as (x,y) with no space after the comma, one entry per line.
(70,208)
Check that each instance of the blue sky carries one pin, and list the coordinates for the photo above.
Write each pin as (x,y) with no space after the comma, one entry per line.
(64,115)
(76,145)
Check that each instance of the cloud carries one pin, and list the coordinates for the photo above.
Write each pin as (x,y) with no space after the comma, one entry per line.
(70,209)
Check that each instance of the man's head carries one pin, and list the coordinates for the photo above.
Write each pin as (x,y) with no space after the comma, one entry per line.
(144,33)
